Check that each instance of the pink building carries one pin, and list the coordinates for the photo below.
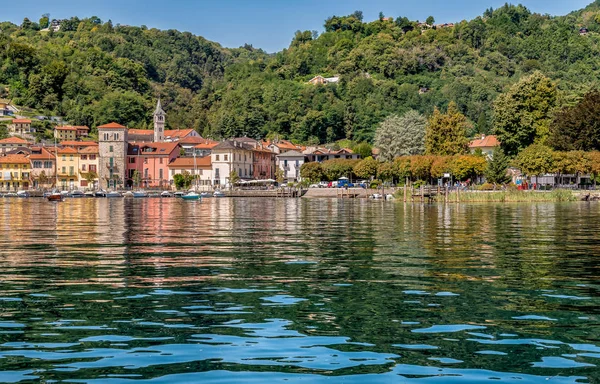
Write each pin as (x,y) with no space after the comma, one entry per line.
(151,160)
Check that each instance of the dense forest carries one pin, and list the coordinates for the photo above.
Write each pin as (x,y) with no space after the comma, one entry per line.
(92,72)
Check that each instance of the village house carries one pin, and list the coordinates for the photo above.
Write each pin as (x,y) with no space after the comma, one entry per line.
(67,168)
(112,152)
(10,143)
(320,80)
(205,148)
(151,161)
(6,108)
(230,156)
(170,135)
(487,145)
(323,154)
(201,168)
(22,128)
(43,167)
(290,163)
(70,132)
(16,172)
(281,146)
(88,166)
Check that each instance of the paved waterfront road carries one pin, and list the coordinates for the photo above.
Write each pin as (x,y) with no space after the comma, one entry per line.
(258,290)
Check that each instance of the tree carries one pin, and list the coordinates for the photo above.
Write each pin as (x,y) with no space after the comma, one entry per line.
(312,172)
(279,176)
(468,166)
(3,131)
(522,116)
(446,132)
(366,168)
(386,171)
(234,178)
(42,178)
(535,160)
(497,167)
(381,16)
(336,168)
(90,177)
(430,20)
(45,21)
(364,149)
(578,127)
(401,136)
(136,178)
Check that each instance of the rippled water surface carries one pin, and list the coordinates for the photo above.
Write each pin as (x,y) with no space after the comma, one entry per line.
(253,290)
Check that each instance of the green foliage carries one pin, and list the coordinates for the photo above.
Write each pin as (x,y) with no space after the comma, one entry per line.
(497,167)
(401,136)
(183,180)
(578,127)
(3,131)
(446,132)
(234,178)
(466,167)
(137,178)
(366,168)
(537,159)
(364,149)
(336,168)
(522,115)
(312,172)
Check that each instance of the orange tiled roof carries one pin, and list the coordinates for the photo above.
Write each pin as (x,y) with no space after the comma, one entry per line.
(78,143)
(112,125)
(21,121)
(13,140)
(188,162)
(162,148)
(133,131)
(91,150)
(44,155)
(485,142)
(207,144)
(65,128)
(67,150)
(178,132)
(192,140)
(14,159)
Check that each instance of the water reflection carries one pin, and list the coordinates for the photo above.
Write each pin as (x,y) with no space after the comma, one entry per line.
(232,290)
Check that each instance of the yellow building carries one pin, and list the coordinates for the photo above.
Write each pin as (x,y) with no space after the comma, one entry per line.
(65,133)
(88,167)
(67,168)
(15,171)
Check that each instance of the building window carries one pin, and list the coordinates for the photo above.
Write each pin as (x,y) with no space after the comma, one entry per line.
(71,171)
(70,157)
(110,149)
(132,160)
(83,167)
(92,168)
(145,160)
(146,173)
(83,157)
(216,157)
(160,173)
(224,157)
(160,161)
(37,164)
(64,170)
(64,157)
(48,165)
(92,157)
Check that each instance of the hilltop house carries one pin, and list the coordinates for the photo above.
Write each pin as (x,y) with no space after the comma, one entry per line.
(487,145)
(70,132)
(320,80)
(22,128)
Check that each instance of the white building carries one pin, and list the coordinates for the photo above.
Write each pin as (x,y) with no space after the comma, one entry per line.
(290,163)
(231,156)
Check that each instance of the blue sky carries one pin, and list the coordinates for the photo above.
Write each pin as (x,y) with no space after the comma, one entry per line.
(267,24)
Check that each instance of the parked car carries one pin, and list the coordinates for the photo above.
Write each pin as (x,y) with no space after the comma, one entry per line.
(344,182)
(324,184)
(314,186)
(283,185)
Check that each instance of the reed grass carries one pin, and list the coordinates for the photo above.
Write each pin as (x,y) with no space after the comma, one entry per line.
(511,197)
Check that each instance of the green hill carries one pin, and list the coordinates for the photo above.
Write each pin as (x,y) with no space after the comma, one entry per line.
(93,72)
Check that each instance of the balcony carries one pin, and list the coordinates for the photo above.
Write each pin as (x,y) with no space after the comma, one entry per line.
(112,167)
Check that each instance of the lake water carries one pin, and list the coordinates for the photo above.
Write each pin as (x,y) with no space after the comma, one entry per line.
(312,291)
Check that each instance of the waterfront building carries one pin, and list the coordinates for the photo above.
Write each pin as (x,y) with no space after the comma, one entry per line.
(201,168)
(16,172)
(323,154)
(290,163)
(151,161)
(205,147)
(67,168)
(112,152)
(229,156)
(43,167)
(11,143)
(88,167)
(263,163)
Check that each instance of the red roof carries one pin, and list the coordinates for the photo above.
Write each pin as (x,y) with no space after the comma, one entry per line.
(21,121)
(13,140)
(207,144)
(162,149)
(67,150)
(78,143)
(92,150)
(133,131)
(14,159)
(178,132)
(112,125)
(65,128)
(43,155)
(188,162)
(485,142)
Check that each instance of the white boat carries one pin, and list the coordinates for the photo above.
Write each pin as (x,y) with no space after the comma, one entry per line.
(376,196)
(77,194)
(205,194)
(89,194)
(22,194)
(390,197)
(128,194)
(179,194)
(139,194)
(11,194)
(218,193)
(166,194)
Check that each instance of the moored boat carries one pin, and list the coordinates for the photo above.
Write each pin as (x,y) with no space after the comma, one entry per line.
(166,194)
(113,194)
(218,193)
(139,194)
(77,194)
(22,194)
(55,196)
(191,196)
(205,195)
(179,194)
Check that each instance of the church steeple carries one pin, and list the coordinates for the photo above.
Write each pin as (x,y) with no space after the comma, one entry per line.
(159,123)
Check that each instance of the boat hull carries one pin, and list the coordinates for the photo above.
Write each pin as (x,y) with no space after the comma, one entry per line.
(190,197)
(55,198)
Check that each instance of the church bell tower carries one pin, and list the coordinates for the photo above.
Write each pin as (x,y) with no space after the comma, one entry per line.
(159,123)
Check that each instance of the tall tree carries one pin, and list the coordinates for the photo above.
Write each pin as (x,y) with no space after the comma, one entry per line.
(578,127)
(522,115)
(497,167)
(401,136)
(430,20)
(446,132)
(535,160)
